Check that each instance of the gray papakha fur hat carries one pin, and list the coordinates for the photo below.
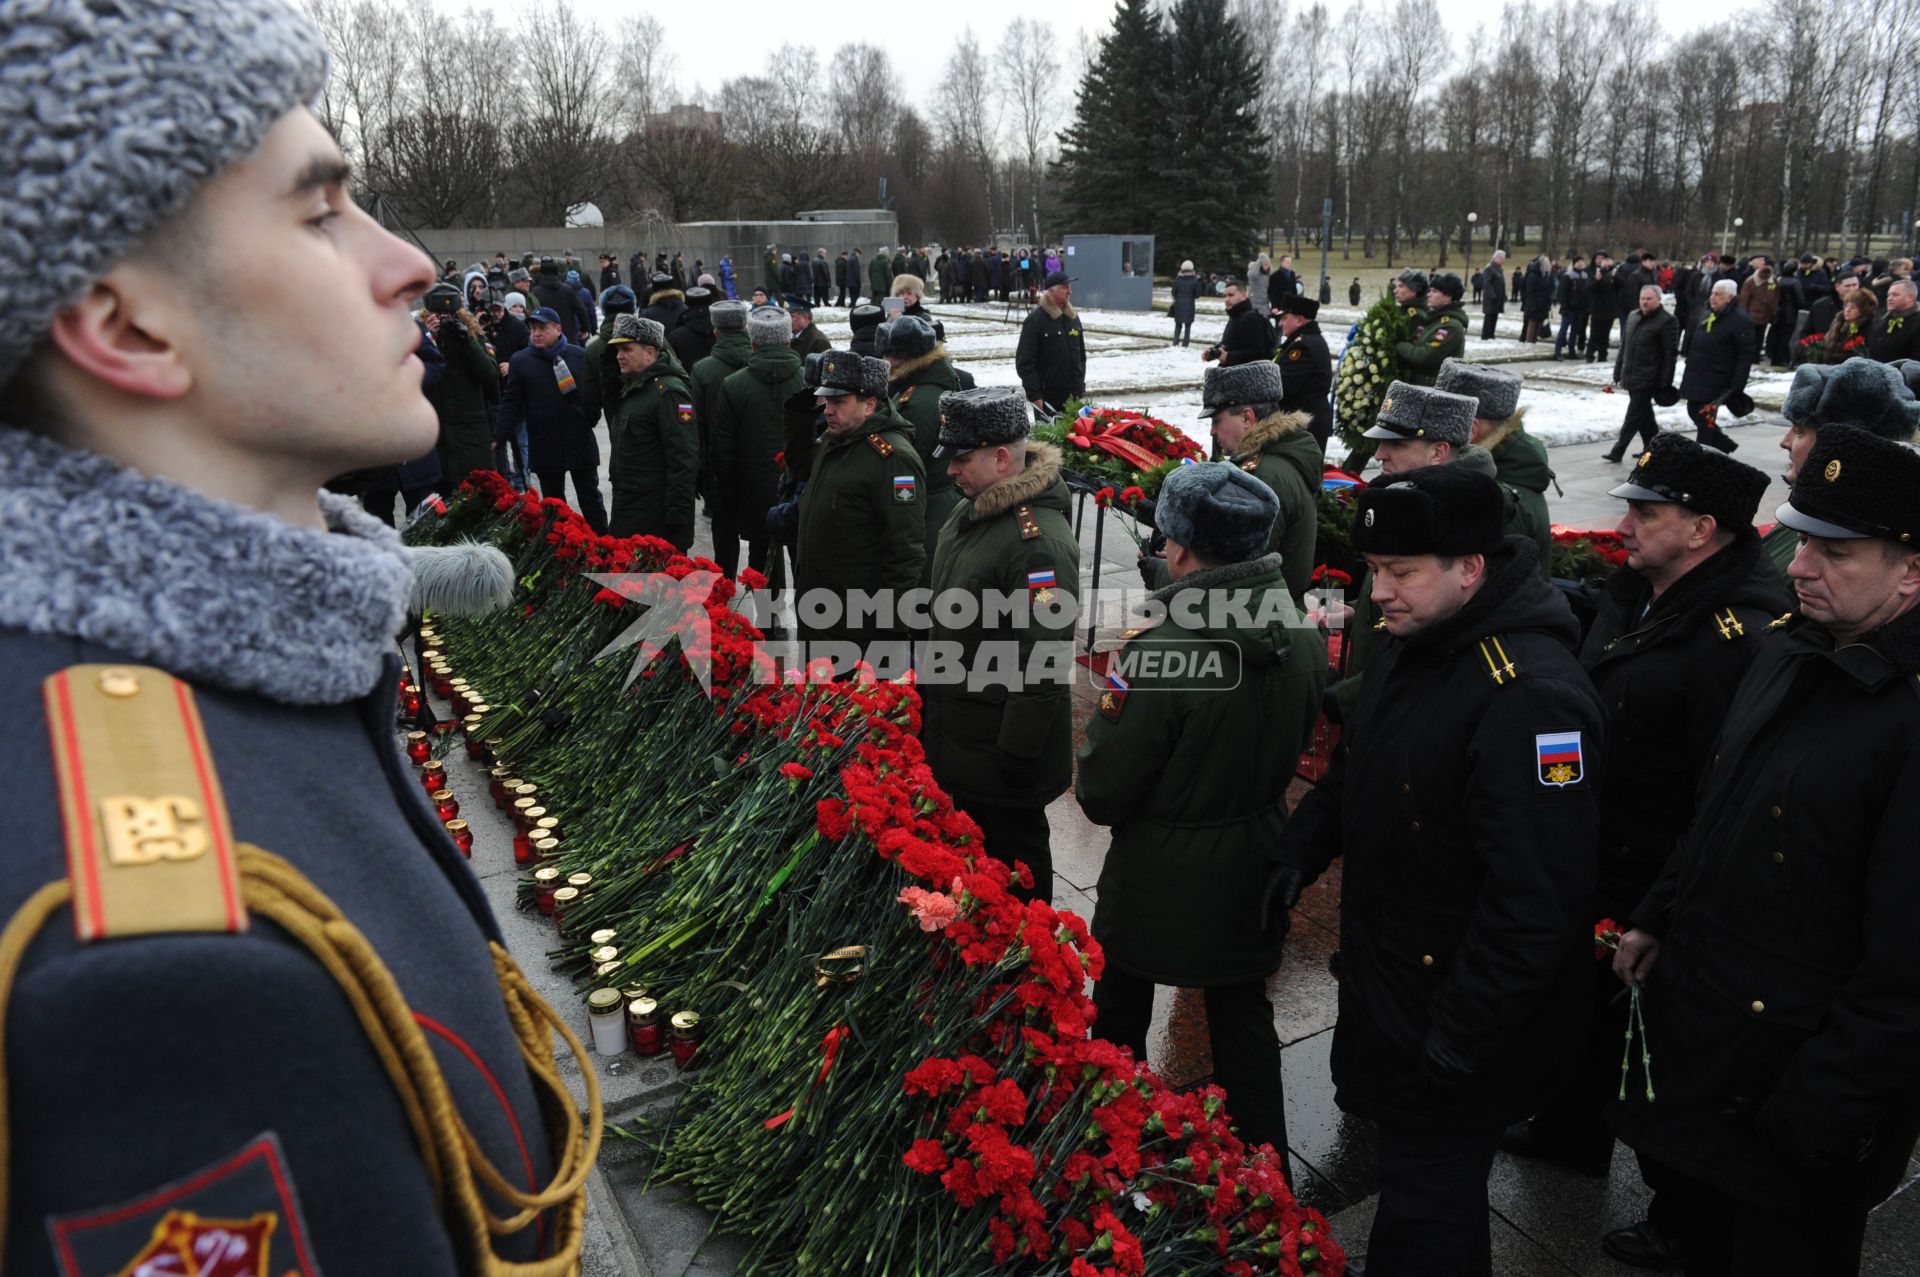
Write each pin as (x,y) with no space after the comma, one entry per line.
(1240,386)
(1218,511)
(113,115)
(769,326)
(983,417)
(728,317)
(1858,392)
(1497,389)
(1421,412)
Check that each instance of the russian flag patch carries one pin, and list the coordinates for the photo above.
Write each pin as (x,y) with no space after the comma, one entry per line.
(1559,758)
(1041,579)
(903,487)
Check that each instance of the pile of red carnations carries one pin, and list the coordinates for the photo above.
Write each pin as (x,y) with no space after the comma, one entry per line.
(897,1071)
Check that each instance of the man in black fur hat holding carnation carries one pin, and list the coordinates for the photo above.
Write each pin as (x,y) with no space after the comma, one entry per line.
(1781,984)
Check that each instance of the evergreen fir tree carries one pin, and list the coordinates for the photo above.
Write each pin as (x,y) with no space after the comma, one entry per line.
(1209,163)
(1107,154)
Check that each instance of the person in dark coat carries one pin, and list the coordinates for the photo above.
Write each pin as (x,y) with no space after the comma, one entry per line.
(1493,294)
(980,273)
(1603,294)
(807,339)
(795,281)
(1677,627)
(665,303)
(463,396)
(860,527)
(1575,298)
(1437,335)
(1536,298)
(217,849)
(656,448)
(1191,775)
(1649,346)
(1248,338)
(1895,331)
(1719,348)
(864,322)
(744,441)
(856,276)
(999,729)
(920,377)
(1306,366)
(821,271)
(1822,314)
(609,272)
(1780,986)
(1461,797)
(547,391)
(1186,291)
(552,292)
(1051,358)
(692,333)
(880,276)
(840,280)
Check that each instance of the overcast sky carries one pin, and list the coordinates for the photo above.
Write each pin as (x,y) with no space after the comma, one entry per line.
(714,40)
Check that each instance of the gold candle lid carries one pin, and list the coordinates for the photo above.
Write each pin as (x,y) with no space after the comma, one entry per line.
(633,992)
(442,795)
(566,895)
(458,682)
(546,877)
(413,687)
(548,825)
(605,953)
(414,736)
(456,825)
(526,789)
(502,772)
(686,1020)
(547,847)
(604,1001)
(479,708)
(643,1008)
(433,765)
(534,814)
(580,880)
(524,805)
(603,936)
(472,719)
(607,970)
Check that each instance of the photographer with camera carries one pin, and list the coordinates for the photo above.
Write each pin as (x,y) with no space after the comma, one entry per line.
(464,394)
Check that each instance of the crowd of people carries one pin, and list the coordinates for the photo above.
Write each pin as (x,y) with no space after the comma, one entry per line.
(1810,309)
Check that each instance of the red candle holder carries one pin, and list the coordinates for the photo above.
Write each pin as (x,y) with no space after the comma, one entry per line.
(644,1029)
(545,883)
(433,776)
(410,699)
(685,1042)
(522,848)
(418,748)
(462,837)
(445,805)
(498,784)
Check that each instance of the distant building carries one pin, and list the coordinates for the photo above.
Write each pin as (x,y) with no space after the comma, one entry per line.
(686,116)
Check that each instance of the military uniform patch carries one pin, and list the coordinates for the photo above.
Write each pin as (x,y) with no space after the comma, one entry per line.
(1114,699)
(1253,463)
(1559,758)
(685,413)
(236,1218)
(903,488)
(1294,353)
(1029,526)
(1728,624)
(907,394)
(880,445)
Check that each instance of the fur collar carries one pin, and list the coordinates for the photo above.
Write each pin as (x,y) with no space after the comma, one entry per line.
(913,366)
(1054,312)
(1268,429)
(1511,426)
(1219,578)
(211,592)
(1042,472)
(665,295)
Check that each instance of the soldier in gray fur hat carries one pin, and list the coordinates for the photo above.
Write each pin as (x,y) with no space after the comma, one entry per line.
(1187,759)
(1004,755)
(1420,426)
(919,379)
(203,327)
(1499,426)
(1874,397)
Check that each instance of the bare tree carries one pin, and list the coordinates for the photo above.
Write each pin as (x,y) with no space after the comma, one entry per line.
(967,111)
(642,73)
(557,146)
(1027,76)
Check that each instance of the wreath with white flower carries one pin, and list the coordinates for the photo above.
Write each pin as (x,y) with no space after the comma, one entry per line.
(1368,366)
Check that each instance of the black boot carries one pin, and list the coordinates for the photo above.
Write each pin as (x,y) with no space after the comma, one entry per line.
(1645,1246)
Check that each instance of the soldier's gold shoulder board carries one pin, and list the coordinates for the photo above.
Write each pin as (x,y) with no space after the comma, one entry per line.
(1250,464)
(1500,666)
(1784,618)
(1029,526)
(149,846)
(1728,625)
(880,445)
(907,394)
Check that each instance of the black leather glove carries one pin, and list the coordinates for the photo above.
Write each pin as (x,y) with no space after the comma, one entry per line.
(1443,1070)
(1284,886)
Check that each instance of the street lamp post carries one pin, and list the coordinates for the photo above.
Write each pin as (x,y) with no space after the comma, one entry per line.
(1739,239)
(1471,219)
